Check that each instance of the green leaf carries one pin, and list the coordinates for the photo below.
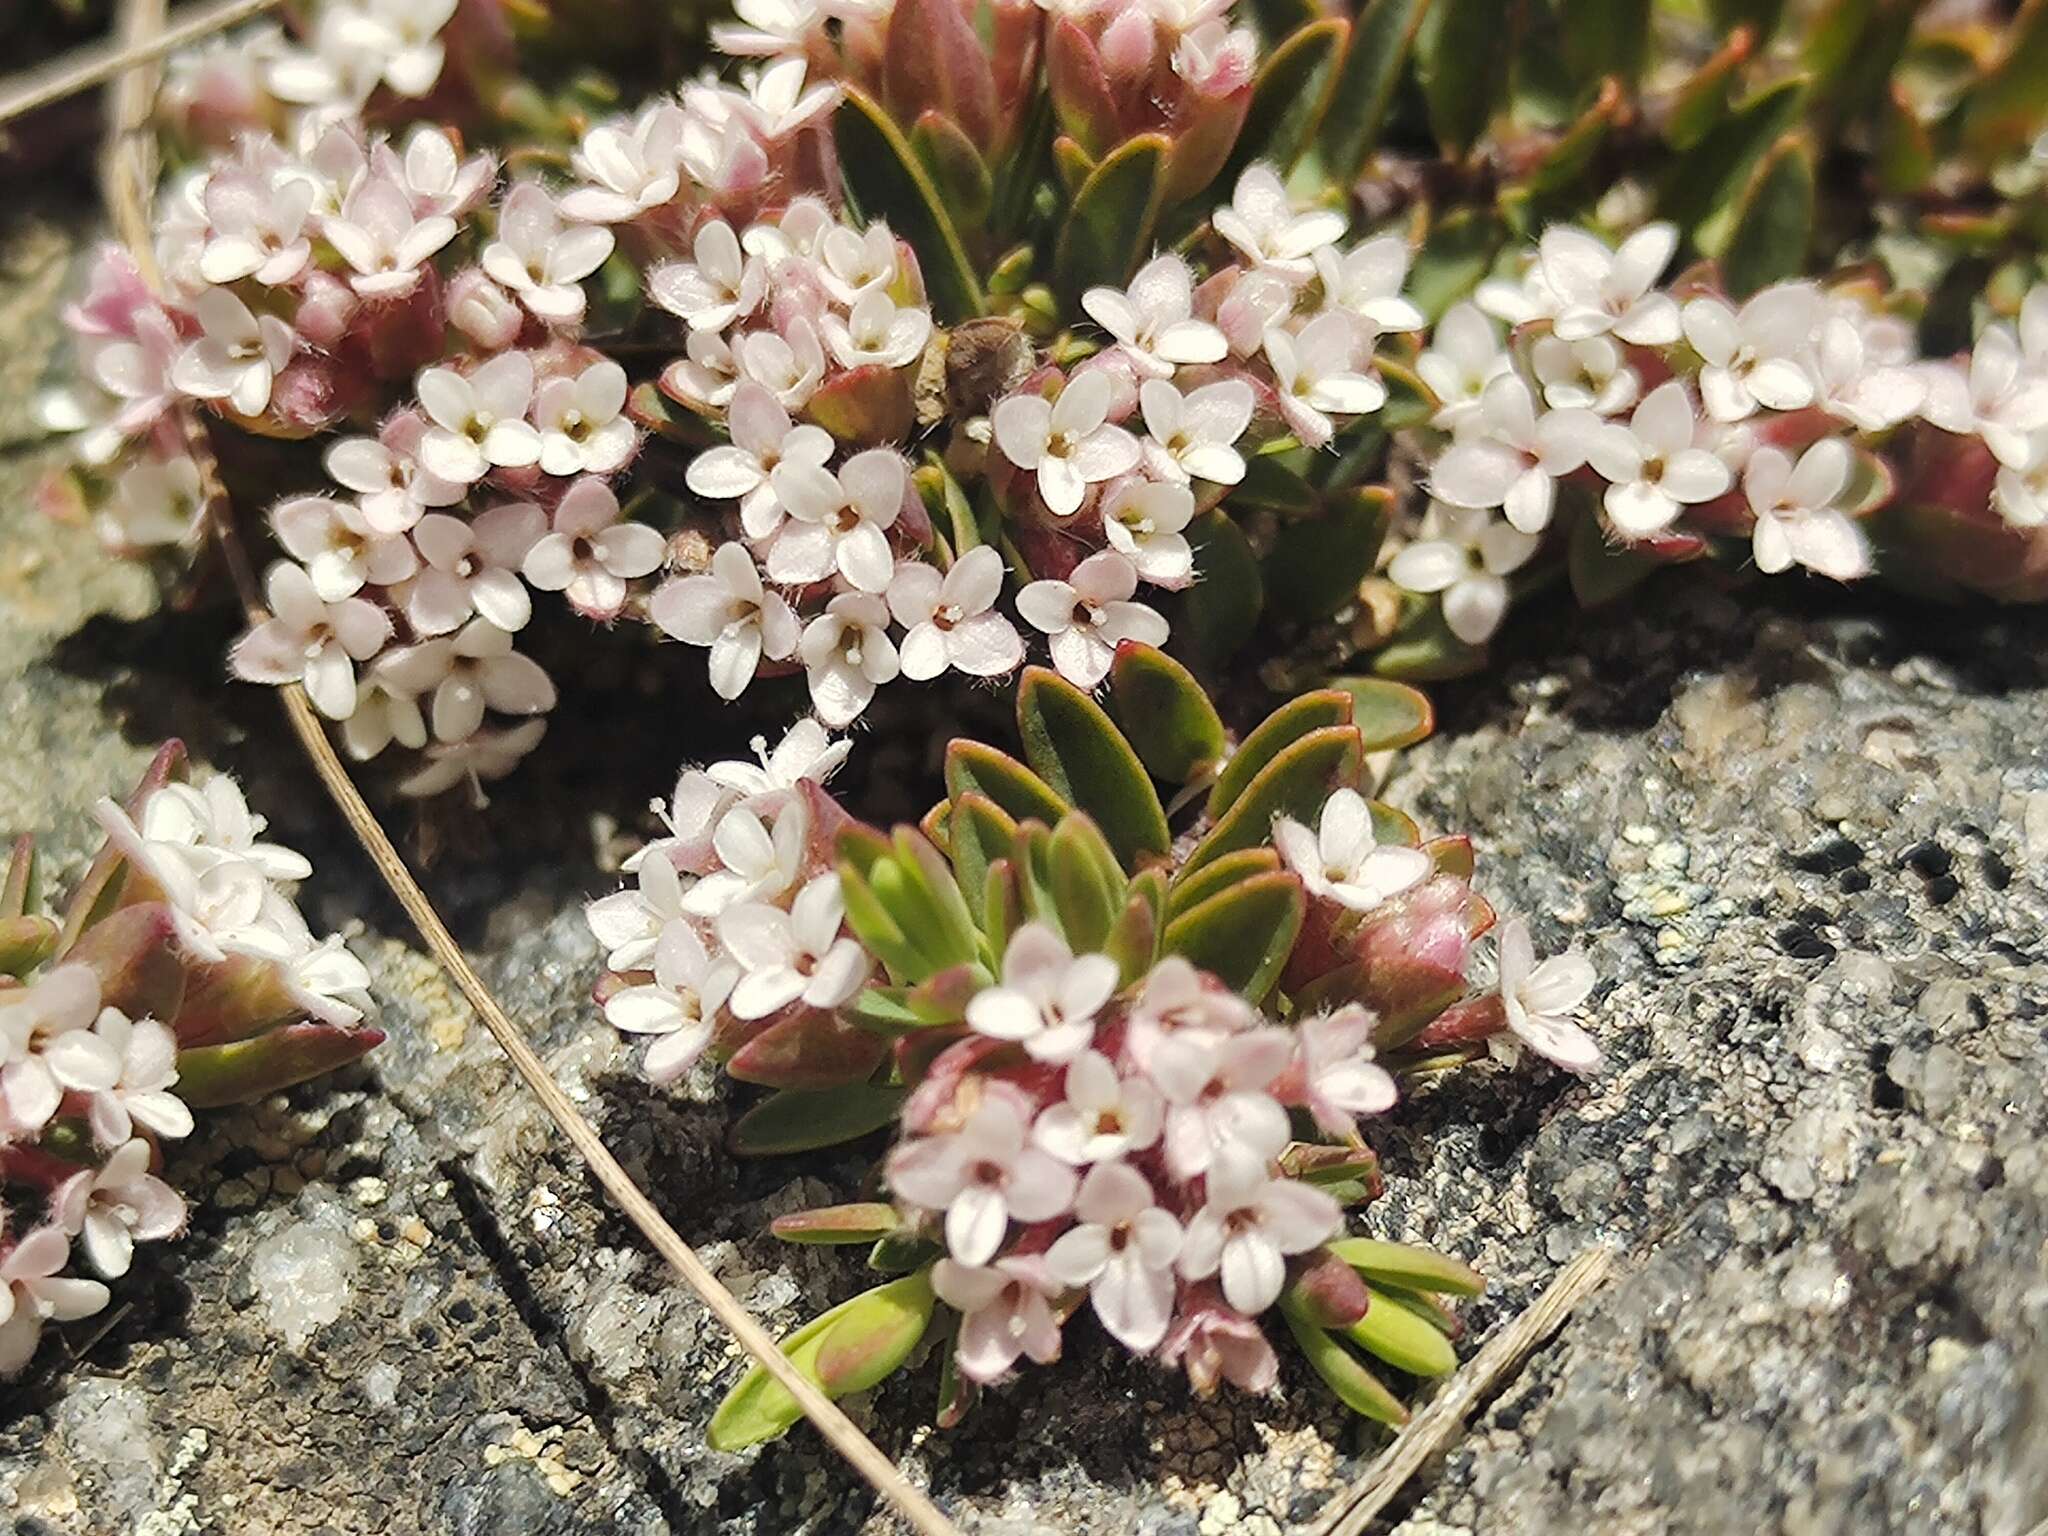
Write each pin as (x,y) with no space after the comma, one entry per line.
(867,1222)
(972,768)
(886,1011)
(963,531)
(1109,229)
(849,1349)
(978,833)
(1087,884)
(1605,37)
(1402,1334)
(1424,650)
(1559,170)
(1133,939)
(2004,110)
(18,886)
(877,927)
(1076,749)
(1002,905)
(1356,1387)
(1702,101)
(1461,57)
(210,1076)
(1295,783)
(886,181)
(1164,713)
(1387,714)
(802,1120)
(1270,482)
(1271,736)
(1373,65)
(1774,223)
(26,942)
(1454,259)
(1288,97)
(1706,178)
(1852,47)
(1197,886)
(1410,1269)
(1761,16)
(1602,571)
(1277,18)
(955,166)
(949,933)
(1221,611)
(1242,935)
(1315,565)
(808,1049)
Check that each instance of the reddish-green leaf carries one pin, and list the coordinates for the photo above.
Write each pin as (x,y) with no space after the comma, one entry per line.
(1242,935)
(1273,735)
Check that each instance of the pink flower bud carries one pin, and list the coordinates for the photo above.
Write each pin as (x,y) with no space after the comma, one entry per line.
(1215,1344)
(327,306)
(1329,1291)
(1125,47)
(482,311)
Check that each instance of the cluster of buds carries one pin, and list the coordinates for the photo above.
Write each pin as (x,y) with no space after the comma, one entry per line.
(1127,1063)
(179,975)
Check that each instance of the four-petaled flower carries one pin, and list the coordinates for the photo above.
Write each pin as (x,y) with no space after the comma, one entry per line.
(1596,290)
(1089,614)
(796,956)
(542,258)
(1342,861)
(1799,517)
(983,1176)
(1005,1311)
(1144,520)
(582,426)
(1193,436)
(1049,996)
(1467,557)
(1250,1225)
(722,285)
(949,620)
(728,609)
(311,641)
(1539,999)
(589,555)
(1153,320)
(108,1208)
(677,1008)
(1315,377)
(1068,443)
(1103,1115)
(1261,222)
(479,421)
(839,522)
(847,654)
(1654,465)
(237,356)
(1122,1248)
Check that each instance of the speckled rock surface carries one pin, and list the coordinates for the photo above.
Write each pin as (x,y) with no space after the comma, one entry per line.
(1806,846)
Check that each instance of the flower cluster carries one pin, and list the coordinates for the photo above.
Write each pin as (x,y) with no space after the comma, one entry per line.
(180,975)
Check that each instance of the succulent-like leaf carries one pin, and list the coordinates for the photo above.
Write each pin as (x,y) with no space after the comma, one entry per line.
(1450,856)
(954,165)
(1295,783)
(1133,939)
(848,1349)
(1455,256)
(1407,1268)
(1316,564)
(1197,886)
(900,1252)
(1087,882)
(1074,164)
(864,407)
(1388,714)
(105,883)
(1273,735)
(1349,1175)
(1081,95)
(953,935)
(1901,147)
(1392,825)
(18,885)
(135,953)
(1404,1335)
(886,181)
(246,1070)
(867,1222)
(1461,57)
(809,1049)
(1289,94)
(1374,63)
(1002,904)
(1077,750)
(1605,38)
(1600,569)
(1222,610)
(26,941)
(1559,170)
(1273,481)
(802,1120)
(1164,713)
(1702,102)
(1109,229)
(978,833)
(877,927)
(1707,177)
(1424,650)
(886,1011)
(1343,1372)
(1242,935)
(972,768)
(1773,222)
(1852,46)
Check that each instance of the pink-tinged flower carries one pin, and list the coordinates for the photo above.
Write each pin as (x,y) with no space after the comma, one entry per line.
(473,567)
(1103,1115)
(853,263)
(1799,518)
(1153,321)
(2003,398)
(847,654)
(1143,521)
(339,548)
(589,555)
(1593,374)
(1334,1073)
(110,1207)
(1049,997)
(582,426)
(721,285)
(1261,222)
(983,1176)
(1178,1000)
(1006,1311)
(467,671)
(1248,1227)
(135,368)
(1365,282)
(1193,436)
(1509,457)
(1315,377)
(237,356)
(434,177)
(386,476)
(1341,861)
(379,235)
(839,522)
(678,1008)
(204,823)
(141,1095)
(541,259)
(1755,356)
(1089,614)
(485,313)
(771,28)
(755,862)
(801,955)
(311,641)
(727,609)
(327,982)
(949,620)
(219,905)
(258,227)
(1123,1249)
(1468,557)
(479,422)
(384,713)
(776,105)
(1213,1343)
(33,1292)
(1218,1095)
(1655,465)
(629,923)
(763,438)
(402,38)
(1254,303)
(629,167)
(876,332)
(1068,443)
(789,363)
(48,1046)
(484,756)
(1597,291)
(1539,999)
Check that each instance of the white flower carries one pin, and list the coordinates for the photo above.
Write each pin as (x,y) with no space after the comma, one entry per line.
(839,522)
(679,1007)
(982,1176)
(1366,281)
(1467,558)
(630,923)
(1539,998)
(804,753)
(743,470)
(1144,521)
(1177,1000)
(582,426)
(1464,355)
(776,105)
(1315,377)
(147,1051)
(1123,1250)
(1048,998)
(328,982)
(1339,1078)
(801,955)
(1192,436)
(635,167)
(258,227)
(847,654)
(1249,1226)
(237,356)
(728,609)
(2003,398)
(207,823)
(1103,1115)
(479,421)
(403,36)
(1754,356)
(876,332)
(771,28)
(108,1208)
(156,502)
(437,181)
(2021,493)
(1068,443)
(339,548)
(1090,614)
(220,901)
(1342,862)
(48,1046)
(1218,1093)
(756,864)
(473,567)
(1654,465)
(1005,1311)
(542,259)
(853,263)
(379,234)
(949,619)
(33,1291)
(1593,374)
(394,490)
(1507,456)
(789,363)
(1799,518)
(1598,291)
(1153,321)
(1261,222)
(485,755)
(1853,383)
(310,641)
(466,671)
(722,285)
(589,555)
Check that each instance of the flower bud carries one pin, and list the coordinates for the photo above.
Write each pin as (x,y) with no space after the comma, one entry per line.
(482,311)
(1327,1291)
